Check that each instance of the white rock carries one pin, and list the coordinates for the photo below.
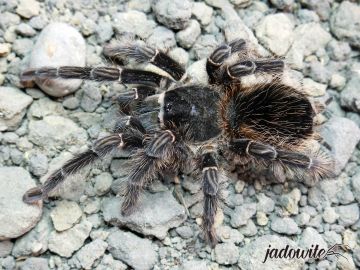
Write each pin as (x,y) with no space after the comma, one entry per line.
(16,217)
(65,215)
(58,44)
(66,242)
(89,253)
(313,88)
(28,8)
(276,32)
(13,104)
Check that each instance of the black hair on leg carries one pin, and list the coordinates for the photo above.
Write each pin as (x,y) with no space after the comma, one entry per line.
(219,56)
(101,148)
(146,54)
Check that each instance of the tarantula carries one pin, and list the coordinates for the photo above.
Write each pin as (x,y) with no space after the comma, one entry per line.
(268,123)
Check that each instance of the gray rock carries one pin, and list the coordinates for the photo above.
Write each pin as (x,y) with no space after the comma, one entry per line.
(28,8)
(103,183)
(290,201)
(34,242)
(338,50)
(284,226)
(345,23)
(197,72)
(108,262)
(155,215)
(185,232)
(162,38)
(311,237)
(322,8)
(137,252)
(56,132)
(283,4)
(194,264)
(8,19)
(350,96)
(13,104)
(307,16)
(25,30)
(187,37)
(67,242)
(179,55)
(88,254)
(249,229)
(38,164)
(91,98)
(202,12)
(104,31)
(308,38)
(355,183)
(38,22)
(134,22)
(16,216)
(241,3)
(332,238)
(330,215)
(265,204)
(242,214)
(227,234)
(348,214)
(71,103)
(35,264)
(65,215)
(276,32)
(44,107)
(342,135)
(204,46)
(226,253)
(8,263)
(173,14)
(5,248)
(253,254)
(141,5)
(58,44)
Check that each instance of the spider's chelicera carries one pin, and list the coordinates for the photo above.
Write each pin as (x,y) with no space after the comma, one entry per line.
(267,123)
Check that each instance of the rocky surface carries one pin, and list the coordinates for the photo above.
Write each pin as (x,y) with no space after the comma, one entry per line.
(16,217)
(81,226)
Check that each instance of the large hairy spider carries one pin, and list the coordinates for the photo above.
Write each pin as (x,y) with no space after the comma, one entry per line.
(268,123)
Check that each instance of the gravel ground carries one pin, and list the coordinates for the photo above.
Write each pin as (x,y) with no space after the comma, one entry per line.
(83,228)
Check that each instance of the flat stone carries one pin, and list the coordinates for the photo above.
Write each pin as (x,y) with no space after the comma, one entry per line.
(342,135)
(16,217)
(137,252)
(65,215)
(67,242)
(345,23)
(253,254)
(13,104)
(284,226)
(28,8)
(242,214)
(89,253)
(56,132)
(58,44)
(155,215)
(276,32)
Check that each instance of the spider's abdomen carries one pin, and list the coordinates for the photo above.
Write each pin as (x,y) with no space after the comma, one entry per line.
(192,108)
(272,112)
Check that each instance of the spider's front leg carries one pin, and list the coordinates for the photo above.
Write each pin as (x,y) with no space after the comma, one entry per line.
(128,136)
(211,187)
(164,150)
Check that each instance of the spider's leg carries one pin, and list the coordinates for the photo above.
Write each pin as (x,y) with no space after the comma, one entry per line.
(219,56)
(129,138)
(318,165)
(135,94)
(211,189)
(146,54)
(122,75)
(248,67)
(162,151)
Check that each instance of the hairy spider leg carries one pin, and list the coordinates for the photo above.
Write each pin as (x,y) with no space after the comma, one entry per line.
(145,54)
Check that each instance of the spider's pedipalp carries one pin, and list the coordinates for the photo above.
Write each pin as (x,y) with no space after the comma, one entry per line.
(146,54)
(135,94)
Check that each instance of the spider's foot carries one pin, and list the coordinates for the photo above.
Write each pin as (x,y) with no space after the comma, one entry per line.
(33,195)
